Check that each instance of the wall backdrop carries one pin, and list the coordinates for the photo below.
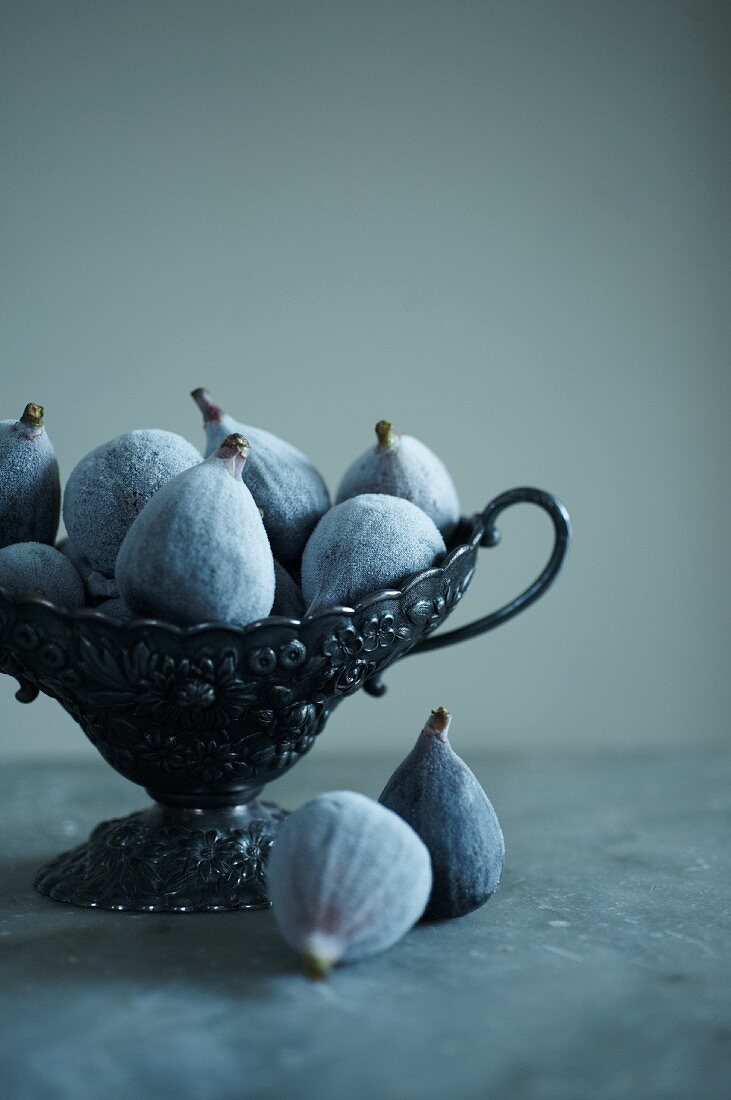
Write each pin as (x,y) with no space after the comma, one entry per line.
(502,226)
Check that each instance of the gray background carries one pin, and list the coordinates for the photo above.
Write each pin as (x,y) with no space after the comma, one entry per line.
(504,226)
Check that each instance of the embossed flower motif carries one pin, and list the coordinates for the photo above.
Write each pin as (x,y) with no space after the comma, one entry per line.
(128,836)
(342,646)
(285,721)
(212,758)
(161,750)
(214,857)
(263,660)
(292,654)
(187,693)
(257,849)
(351,677)
(195,694)
(381,631)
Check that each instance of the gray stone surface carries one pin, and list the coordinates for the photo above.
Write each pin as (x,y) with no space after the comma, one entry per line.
(599,969)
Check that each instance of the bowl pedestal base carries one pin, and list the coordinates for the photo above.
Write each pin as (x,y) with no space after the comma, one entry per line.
(170,858)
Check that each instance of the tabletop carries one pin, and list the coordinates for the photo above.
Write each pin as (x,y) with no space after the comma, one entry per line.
(600,968)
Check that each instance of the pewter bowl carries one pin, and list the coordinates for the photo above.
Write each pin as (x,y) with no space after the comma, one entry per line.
(203,717)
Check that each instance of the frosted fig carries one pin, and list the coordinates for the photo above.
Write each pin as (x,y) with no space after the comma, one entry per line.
(198,551)
(346,878)
(282,480)
(368,542)
(437,794)
(111,485)
(403,466)
(30,489)
(37,569)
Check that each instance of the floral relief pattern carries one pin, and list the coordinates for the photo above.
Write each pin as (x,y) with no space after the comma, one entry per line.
(140,863)
(174,709)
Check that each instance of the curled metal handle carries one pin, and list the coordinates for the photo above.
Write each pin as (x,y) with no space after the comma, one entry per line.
(491,537)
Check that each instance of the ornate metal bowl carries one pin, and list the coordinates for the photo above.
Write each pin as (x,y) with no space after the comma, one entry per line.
(203,717)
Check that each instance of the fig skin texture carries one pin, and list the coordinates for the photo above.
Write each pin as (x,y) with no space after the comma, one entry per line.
(116,608)
(30,488)
(37,569)
(111,485)
(403,466)
(346,878)
(283,481)
(198,551)
(437,794)
(366,543)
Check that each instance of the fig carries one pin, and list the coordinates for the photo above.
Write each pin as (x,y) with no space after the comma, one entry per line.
(403,466)
(346,879)
(30,489)
(37,569)
(111,485)
(441,799)
(282,480)
(198,550)
(369,542)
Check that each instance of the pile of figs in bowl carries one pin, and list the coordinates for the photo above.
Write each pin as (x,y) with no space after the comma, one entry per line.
(203,617)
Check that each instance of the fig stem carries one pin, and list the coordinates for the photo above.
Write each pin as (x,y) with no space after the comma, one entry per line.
(385,433)
(211,411)
(32,415)
(316,965)
(233,451)
(438,724)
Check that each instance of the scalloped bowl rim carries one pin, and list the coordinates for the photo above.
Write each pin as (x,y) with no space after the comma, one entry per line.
(94,614)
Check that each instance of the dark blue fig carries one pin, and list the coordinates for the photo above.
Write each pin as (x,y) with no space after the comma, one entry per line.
(346,879)
(30,489)
(37,569)
(198,551)
(440,798)
(110,486)
(369,542)
(403,466)
(282,480)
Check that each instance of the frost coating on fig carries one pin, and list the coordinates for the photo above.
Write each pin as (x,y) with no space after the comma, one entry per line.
(116,608)
(346,879)
(198,551)
(437,794)
(282,480)
(403,466)
(368,542)
(37,569)
(30,489)
(111,485)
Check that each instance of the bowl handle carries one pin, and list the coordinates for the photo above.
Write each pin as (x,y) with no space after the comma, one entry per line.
(491,537)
